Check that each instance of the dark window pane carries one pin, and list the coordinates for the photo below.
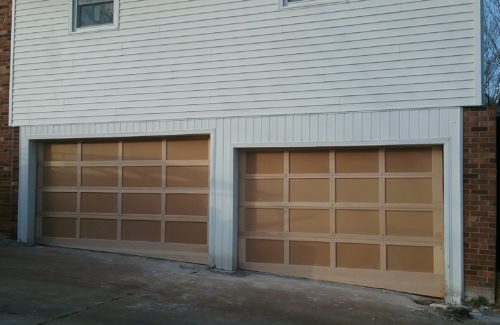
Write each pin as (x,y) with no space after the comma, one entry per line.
(93,13)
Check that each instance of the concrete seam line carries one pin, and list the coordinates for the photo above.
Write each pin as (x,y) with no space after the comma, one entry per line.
(88,307)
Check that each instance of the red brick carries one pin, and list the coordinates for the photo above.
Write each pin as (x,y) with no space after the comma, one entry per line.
(9,154)
(480,198)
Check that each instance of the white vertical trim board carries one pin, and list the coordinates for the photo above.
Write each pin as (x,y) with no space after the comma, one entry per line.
(479,46)
(403,127)
(453,209)
(27,190)
(12,44)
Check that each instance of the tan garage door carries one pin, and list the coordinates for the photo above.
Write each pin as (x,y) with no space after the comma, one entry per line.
(371,217)
(145,197)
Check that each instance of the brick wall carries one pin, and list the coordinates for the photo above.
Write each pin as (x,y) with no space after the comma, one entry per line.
(480,202)
(8,136)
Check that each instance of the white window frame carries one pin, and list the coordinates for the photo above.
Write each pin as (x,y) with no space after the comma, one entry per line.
(73,19)
(284,4)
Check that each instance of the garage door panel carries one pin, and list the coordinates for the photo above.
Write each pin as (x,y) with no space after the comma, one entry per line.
(265,251)
(145,196)
(358,256)
(264,220)
(99,176)
(309,220)
(141,230)
(59,227)
(141,203)
(357,190)
(60,176)
(98,229)
(100,151)
(264,190)
(310,253)
(186,232)
(410,258)
(357,222)
(59,202)
(401,160)
(186,204)
(99,202)
(409,190)
(142,176)
(357,161)
(188,176)
(410,223)
(309,162)
(60,151)
(142,150)
(309,190)
(369,216)
(267,162)
(187,149)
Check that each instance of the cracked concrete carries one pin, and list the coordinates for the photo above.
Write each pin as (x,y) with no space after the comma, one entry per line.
(45,285)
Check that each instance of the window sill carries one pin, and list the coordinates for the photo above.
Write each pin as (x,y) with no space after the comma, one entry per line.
(94,29)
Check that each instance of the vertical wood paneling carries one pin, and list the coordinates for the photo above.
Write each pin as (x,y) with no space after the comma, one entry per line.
(331,127)
(289,128)
(366,128)
(424,123)
(348,126)
(280,129)
(298,133)
(376,126)
(339,126)
(404,124)
(385,125)
(357,126)
(305,123)
(394,124)
(444,122)
(257,122)
(315,128)
(322,128)
(414,120)
(265,129)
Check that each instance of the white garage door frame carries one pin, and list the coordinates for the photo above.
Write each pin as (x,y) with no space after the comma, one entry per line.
(436,126)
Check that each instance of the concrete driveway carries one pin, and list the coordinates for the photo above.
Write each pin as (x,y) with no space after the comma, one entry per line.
(45,285)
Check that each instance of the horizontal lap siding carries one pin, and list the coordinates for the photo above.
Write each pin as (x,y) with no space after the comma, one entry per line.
(239,58)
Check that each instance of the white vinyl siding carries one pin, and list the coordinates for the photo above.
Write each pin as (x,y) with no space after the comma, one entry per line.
(298,3)
(222,58)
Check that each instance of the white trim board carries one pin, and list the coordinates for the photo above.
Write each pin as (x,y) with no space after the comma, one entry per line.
(402,127)
(479,47)
(11,77)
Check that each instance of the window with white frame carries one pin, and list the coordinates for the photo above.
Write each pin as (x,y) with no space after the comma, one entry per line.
(90,13)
